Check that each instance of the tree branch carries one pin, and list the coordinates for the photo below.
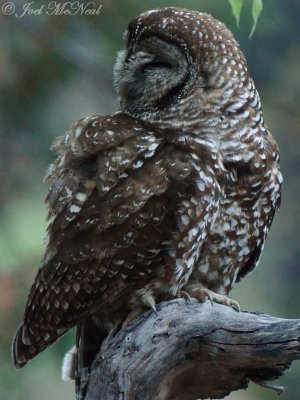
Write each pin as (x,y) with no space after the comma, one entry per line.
(192,351)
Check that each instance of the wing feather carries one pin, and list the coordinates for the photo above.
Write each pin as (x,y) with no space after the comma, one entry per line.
(119,203)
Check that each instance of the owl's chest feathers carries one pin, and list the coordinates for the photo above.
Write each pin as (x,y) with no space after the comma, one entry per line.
(245,166)
(250,185)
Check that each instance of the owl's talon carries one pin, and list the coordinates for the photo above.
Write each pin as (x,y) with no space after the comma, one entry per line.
(235,305)
(149,301)
(203,294)
(147,298)
(183,295)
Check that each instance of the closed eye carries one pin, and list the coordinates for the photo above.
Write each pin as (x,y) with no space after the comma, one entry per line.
(156,65)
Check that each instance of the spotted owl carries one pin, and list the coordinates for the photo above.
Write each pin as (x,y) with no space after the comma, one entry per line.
(173,194)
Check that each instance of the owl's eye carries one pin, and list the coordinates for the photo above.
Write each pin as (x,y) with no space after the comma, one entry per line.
(156,65)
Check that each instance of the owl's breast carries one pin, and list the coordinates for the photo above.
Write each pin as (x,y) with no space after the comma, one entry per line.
(237,235)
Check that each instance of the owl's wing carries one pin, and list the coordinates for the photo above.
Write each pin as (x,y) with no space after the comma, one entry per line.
(91,193)
(116,188)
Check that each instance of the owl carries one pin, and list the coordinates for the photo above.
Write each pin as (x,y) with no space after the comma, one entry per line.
(173,195)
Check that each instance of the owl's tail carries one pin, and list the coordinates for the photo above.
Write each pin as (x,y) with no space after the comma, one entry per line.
(20,351)
(25,348)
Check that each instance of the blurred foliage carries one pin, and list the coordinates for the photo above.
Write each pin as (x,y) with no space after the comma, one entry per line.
(257,7)
(236,7)
(56,69)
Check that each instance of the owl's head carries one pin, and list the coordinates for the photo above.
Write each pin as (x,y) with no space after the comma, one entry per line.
(177,60)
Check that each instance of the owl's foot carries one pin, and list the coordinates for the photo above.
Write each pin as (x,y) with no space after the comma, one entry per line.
(141,301)
(203,294)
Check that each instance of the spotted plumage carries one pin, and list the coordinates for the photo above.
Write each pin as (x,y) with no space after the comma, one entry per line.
(174,193)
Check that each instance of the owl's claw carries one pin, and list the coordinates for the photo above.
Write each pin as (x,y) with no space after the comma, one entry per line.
(183,295)
(139,303)
(151,302)
(203,294)
(147,298)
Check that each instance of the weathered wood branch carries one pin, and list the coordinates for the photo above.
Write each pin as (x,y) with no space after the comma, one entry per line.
(192,351)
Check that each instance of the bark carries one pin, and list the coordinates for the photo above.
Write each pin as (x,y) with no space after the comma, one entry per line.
(190,351)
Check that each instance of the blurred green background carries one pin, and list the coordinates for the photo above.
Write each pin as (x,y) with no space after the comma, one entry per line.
(55,69)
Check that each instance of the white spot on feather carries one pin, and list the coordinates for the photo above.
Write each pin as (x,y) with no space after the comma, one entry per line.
(119,262)
(185,219)
(80,197)
(192,233)
(76,287)
(137,164)
(78,132)
(74,209)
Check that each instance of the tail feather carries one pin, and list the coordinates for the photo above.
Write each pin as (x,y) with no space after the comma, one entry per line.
(24,350)
(19,350)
